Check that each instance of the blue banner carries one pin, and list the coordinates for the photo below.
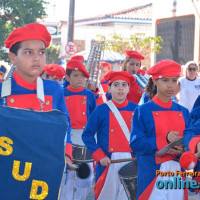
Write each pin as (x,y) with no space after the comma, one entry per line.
(31,153)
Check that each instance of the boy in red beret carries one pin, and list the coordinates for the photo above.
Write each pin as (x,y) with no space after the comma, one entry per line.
(80,103)
(156,124)
(53,72)
(27,46)
(65,83)
(132,65)
(112,141)
(103,88)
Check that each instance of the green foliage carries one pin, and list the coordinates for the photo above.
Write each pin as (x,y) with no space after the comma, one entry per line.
(138,42)
(4,56)
(15,13)
(52,53)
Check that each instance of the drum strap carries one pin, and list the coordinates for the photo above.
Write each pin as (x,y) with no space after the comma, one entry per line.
(6,90)
(119,118)
(103,93)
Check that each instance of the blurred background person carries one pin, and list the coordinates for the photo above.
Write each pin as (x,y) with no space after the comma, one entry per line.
(53,72)
(132,65)
(103,87)
(189,86)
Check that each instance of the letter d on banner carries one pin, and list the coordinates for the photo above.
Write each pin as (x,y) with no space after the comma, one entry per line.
(34,190)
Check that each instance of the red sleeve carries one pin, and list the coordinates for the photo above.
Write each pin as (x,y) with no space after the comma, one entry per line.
(98,155)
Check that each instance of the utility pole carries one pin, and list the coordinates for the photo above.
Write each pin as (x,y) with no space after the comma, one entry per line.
(70,36)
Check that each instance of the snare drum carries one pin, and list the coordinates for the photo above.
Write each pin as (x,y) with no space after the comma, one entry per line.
(80,152)
(128,178)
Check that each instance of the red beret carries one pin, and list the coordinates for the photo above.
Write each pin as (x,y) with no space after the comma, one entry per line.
(141,71)
(77,65)
(54,70)
(165,68)
(33,31)
(134,54)
(78,57)
(105,64)
(121,75)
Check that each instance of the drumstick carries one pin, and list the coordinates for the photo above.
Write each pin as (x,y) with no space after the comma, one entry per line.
(123,160)
(188,160)
(83,170)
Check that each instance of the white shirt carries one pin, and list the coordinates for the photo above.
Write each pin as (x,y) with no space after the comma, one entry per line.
(189,91)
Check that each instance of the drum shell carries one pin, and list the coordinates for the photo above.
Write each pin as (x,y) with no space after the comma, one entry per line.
(128,178)
(80,153)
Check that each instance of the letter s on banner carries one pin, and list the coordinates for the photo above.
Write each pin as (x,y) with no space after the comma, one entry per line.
(5,144)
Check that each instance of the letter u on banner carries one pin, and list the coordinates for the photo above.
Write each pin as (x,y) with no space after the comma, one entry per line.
(27,171)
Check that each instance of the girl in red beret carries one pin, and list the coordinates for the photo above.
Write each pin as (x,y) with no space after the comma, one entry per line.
(112,141)
(132,65)
(156,124)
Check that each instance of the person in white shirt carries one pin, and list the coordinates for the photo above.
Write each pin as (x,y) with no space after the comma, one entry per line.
(189,86)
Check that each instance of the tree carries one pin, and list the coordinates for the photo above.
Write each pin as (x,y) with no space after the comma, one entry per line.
(139,42)
(52,53)
(15,13)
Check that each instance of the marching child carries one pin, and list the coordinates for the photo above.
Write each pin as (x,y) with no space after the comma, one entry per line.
(27,46)
(53,72)
(132,65)
(112,141)
(80,103)
(155,124)
(103,88)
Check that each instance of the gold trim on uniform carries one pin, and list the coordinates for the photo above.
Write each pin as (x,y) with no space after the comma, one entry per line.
(12,100)
(47,102)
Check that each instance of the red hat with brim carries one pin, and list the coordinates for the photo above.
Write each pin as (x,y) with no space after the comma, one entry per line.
(32,31)
(165,68)
(121,75)
(54,70)
(77,65)
(134,54)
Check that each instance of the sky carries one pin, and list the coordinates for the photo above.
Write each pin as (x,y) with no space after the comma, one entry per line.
(58,9)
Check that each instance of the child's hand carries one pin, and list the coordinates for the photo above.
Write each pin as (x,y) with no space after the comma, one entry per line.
(105,161)
(68,161)
(176,150)
(173,136)
(198,147)
(91,87)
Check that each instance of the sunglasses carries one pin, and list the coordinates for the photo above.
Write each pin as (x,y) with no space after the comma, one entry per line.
(192,69)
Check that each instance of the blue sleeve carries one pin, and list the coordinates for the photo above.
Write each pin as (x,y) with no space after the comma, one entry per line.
(108,95)
(144,98)
(90,130)
(93,102)
(191,132)
(62,106)
(140,142)
(197,103)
